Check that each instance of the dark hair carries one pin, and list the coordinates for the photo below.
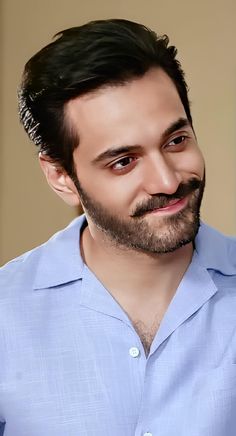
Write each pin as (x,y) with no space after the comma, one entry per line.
(80,60)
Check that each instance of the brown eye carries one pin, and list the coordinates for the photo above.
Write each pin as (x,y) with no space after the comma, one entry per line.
(178,140)
(123,163)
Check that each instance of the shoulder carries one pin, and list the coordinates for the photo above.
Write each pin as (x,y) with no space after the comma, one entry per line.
(20,274)
(216,251)
(19,270)
(214,234)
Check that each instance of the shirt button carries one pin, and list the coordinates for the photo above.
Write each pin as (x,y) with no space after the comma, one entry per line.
(147,433)
(134,352)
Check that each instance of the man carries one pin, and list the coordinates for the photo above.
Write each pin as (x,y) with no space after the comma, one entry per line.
(123,323)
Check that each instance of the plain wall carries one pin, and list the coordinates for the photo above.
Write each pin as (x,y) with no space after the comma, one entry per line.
(204,33)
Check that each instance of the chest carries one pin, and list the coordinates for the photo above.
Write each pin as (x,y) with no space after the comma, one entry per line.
(76,376)
(147,331)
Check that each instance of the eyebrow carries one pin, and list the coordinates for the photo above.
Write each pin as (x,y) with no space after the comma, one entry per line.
(176,125)
(117,151)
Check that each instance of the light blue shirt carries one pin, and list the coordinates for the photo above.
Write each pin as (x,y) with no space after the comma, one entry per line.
(72,364)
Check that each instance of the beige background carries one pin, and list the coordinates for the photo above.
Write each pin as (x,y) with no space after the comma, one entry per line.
(203,31)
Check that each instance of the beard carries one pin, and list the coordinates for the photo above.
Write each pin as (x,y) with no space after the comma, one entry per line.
(159,236)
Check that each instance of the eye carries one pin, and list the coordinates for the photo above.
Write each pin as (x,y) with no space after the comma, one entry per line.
(179,140)
(125,163)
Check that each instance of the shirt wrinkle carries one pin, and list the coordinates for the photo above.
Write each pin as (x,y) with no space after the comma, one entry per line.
(72,363)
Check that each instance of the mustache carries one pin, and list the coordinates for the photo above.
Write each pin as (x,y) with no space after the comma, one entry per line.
(162,200)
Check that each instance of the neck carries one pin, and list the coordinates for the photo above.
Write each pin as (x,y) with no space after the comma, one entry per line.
(132,273)
(142,284)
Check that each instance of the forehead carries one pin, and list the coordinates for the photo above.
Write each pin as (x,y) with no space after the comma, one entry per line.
(128,112)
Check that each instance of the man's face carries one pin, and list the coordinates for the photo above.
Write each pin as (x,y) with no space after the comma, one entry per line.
(140,172)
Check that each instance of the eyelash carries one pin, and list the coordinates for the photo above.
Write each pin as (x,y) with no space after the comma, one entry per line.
(123,169)
(182,137)
(132,158)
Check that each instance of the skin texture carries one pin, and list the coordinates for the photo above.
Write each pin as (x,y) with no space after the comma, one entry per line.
(137,158)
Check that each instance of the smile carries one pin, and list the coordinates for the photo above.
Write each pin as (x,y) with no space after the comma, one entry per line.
(173,206)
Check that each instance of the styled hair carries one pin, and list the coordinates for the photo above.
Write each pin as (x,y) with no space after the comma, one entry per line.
(83,59)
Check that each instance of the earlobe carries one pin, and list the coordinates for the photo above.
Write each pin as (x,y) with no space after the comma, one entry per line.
(59,180)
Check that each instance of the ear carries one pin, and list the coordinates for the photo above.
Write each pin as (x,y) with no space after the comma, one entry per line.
(59,180)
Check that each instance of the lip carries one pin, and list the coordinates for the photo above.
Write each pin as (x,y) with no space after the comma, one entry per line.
(173,207)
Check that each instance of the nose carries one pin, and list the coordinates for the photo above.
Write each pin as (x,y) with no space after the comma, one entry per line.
(160,176)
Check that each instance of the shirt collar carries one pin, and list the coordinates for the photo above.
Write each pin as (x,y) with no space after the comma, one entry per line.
(60,259)
(215,250)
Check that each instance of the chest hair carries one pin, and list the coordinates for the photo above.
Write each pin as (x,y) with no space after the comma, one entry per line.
(146,333)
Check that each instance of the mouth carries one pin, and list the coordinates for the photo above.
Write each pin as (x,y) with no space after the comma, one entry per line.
(172,207)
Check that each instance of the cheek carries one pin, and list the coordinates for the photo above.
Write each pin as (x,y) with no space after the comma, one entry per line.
(199,164)
(113,192)
(120,191)
(192,163)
